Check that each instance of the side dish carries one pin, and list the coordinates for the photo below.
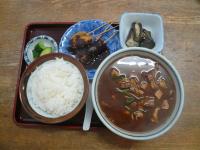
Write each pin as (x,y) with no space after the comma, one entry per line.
(89,48)
(139,37)
(39,46)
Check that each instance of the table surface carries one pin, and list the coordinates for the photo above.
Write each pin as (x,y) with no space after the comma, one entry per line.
(182,29)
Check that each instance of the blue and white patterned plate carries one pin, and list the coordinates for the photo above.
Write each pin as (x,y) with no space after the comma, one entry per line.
(49,42)
(88,25)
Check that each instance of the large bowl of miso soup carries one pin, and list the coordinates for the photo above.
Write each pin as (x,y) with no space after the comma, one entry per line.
(137,93)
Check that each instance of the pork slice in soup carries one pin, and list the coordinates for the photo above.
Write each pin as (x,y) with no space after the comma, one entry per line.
(136,93)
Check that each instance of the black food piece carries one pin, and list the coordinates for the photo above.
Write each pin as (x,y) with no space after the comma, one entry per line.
(80,40)
(87,51)
(139,37)
(147,41)
(134,35)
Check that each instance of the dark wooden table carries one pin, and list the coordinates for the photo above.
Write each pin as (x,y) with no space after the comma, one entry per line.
(182,48)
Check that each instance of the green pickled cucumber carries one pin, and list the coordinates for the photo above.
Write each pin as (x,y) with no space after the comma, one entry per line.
(36,53)
(40,46)
(47,50)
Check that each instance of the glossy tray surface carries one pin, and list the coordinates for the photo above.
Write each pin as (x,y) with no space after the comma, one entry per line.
(20,117)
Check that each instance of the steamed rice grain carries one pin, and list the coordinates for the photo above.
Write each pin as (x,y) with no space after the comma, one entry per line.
(55,88)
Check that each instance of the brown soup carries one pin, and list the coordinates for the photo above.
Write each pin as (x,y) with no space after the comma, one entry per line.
(136,93)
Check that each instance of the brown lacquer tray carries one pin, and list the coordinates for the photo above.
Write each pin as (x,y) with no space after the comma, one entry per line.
(20,117)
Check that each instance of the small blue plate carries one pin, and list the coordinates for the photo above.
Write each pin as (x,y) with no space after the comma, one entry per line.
(88,25)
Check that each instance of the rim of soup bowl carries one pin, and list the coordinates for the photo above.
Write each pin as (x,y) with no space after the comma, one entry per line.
(162,128)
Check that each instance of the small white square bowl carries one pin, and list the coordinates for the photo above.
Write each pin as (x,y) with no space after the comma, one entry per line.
(151,22)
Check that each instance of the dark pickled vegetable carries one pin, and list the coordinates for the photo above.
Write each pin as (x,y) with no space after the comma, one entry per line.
(134,35)
(139,37)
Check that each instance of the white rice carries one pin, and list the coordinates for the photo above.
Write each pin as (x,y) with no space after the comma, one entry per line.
(55,88)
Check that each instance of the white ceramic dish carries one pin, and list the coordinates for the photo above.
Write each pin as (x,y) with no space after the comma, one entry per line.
(151,22)
(176,79)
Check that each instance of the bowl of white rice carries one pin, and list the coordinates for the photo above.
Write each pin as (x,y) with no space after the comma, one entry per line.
(54,88)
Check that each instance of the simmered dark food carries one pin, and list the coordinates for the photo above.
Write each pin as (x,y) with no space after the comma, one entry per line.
(136,93)
(139,37)
(80,40)
(90,52)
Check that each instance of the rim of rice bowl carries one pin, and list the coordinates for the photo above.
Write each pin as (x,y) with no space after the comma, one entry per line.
(55,88)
